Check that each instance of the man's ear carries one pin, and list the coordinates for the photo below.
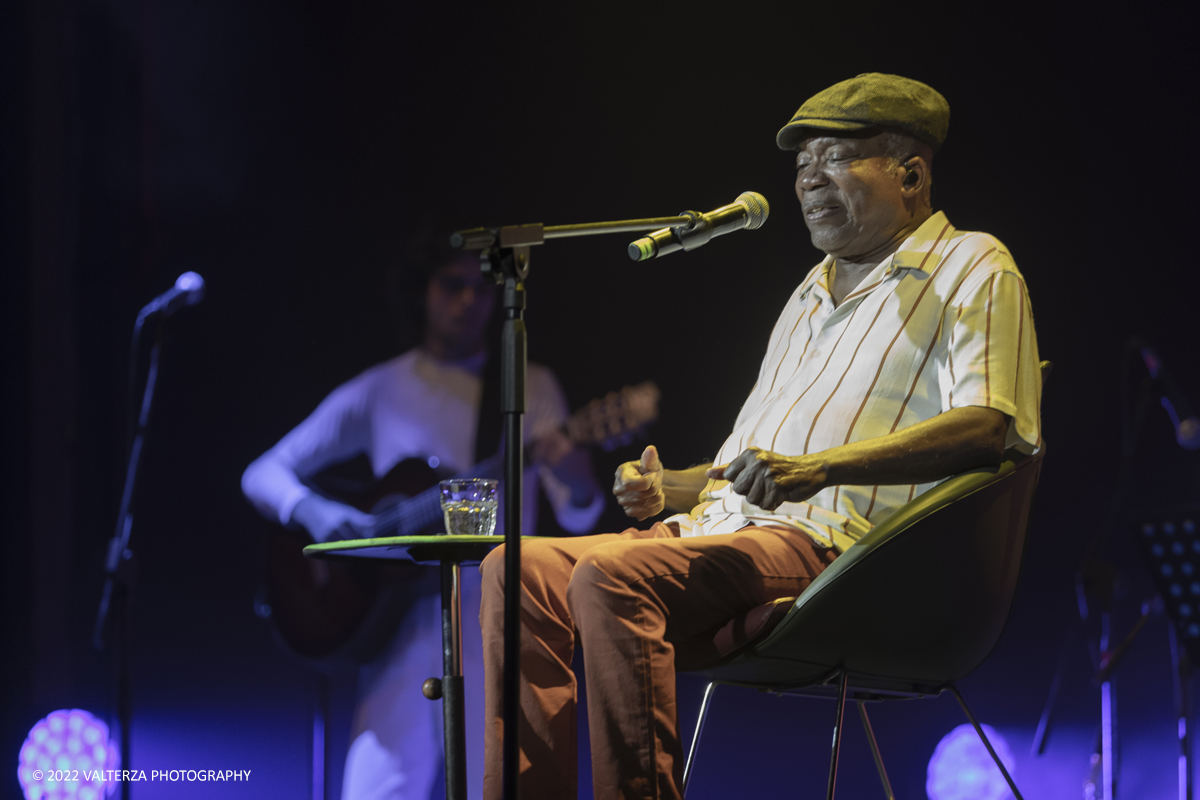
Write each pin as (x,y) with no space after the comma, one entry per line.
(916,176)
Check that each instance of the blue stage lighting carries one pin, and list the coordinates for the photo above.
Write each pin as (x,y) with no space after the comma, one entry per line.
(962,769)
(68,756)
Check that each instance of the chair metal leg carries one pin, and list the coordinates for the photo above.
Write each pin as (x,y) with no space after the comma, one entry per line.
(837,733)
(978,729)
(887,785)
(691,756)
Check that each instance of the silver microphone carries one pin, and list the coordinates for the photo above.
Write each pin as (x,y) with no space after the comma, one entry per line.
(749,211)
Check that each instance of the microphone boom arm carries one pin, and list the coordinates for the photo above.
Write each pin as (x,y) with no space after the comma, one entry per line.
(515,235)
(689,230)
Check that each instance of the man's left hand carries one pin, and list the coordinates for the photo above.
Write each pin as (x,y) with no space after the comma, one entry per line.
(769,479)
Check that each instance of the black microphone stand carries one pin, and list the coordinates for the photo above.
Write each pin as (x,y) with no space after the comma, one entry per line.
(114,601)
(505,259)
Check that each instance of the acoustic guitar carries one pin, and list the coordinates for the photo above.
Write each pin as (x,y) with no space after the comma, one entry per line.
(346,612)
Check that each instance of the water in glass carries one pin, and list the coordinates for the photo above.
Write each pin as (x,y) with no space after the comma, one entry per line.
(469,506)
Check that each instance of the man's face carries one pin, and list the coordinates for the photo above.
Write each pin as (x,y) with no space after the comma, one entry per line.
(458,305)
(850,191)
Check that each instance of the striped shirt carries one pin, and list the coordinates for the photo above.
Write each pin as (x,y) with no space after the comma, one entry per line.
(943,323)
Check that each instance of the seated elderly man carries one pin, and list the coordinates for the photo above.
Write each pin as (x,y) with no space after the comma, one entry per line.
(906,356)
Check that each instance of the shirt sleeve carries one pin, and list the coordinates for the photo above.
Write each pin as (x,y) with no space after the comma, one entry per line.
(338,429)
(547,410)
(993,357)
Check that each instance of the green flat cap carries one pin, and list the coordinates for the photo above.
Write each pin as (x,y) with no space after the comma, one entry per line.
(870,100)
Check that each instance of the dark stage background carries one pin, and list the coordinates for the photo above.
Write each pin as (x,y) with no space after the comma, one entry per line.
(282,148)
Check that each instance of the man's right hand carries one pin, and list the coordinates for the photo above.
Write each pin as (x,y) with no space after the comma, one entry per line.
(639,485)
(327,520)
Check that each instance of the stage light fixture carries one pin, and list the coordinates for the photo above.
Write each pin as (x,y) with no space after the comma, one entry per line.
(962,769)
(67,756)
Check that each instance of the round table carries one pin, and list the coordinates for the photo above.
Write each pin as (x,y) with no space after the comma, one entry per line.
(449,553)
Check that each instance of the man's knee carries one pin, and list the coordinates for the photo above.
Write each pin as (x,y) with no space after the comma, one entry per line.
(538,559)
(598,571)
(492,568)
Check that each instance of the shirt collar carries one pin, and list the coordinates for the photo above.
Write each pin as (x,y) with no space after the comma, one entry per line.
(918,251)
(818,281)
(473,363)
(915,252)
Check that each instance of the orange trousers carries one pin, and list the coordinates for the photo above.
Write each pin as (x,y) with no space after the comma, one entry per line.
(641,603)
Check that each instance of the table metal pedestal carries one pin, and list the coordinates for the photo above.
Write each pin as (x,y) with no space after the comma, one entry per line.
(449,553)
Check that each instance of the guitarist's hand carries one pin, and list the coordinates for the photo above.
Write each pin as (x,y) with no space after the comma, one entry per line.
(327,520)
(569,463)
(639,485)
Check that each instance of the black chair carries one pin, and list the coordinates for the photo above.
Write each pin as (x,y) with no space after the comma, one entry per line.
(887,621)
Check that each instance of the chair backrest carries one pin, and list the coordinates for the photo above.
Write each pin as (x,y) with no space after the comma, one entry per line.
(921,600)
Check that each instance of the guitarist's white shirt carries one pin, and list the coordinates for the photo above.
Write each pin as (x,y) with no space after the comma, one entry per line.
(413,406)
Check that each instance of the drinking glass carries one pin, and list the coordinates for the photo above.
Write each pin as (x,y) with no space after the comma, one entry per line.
(469,506)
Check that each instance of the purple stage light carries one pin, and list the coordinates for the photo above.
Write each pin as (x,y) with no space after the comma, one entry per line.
(68,756)
(962,769)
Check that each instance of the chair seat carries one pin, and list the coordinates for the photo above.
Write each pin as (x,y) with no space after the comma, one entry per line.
(792,677)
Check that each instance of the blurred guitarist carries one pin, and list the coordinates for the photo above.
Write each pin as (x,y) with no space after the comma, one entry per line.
(423,404)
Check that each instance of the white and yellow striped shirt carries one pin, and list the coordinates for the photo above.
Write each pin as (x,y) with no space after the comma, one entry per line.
(943,323)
